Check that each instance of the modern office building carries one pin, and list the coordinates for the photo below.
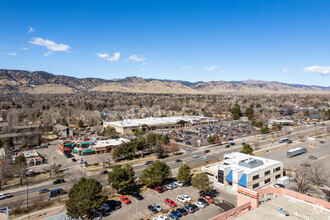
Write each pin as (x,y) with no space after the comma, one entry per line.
(245,170)
(151,123)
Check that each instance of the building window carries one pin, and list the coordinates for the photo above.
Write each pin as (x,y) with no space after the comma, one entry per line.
(278,168)
(267,172)
(255,177)
(255,185)
(267,181)
(277,176)
(220,176)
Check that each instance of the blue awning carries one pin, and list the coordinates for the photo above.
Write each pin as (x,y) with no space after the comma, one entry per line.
(242,181)
(229,178)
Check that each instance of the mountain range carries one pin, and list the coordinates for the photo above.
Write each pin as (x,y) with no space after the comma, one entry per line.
(40,82)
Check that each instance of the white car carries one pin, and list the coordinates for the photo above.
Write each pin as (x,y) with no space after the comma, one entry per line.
(157,207)
(180,198)
(162,217)
(200,205)
(178,183)
(195,156)
(169,186)
(187,198)
(173,184)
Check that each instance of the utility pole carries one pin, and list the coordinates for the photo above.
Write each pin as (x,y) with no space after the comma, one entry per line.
(111,188)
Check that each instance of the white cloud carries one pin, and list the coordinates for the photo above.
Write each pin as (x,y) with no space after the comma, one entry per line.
(141,69)
(103,55)
(186,67)
(137,58)
(324,70)
(31,30)
(115,57)
(211,68)
(50,45)
(285,70)
(145,64)
(24,48)
(48,53)
(12,54)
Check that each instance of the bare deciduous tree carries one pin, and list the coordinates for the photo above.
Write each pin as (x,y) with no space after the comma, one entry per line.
(77,176)
(318,175)
(302,179)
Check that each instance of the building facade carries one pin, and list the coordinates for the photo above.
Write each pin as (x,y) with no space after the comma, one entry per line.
(151,123)
(245,170)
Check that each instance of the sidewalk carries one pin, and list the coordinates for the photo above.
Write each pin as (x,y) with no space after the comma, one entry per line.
(41,214)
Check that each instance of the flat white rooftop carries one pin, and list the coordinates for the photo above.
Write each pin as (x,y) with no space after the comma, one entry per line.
(110,142)
(150,121)
(248,163)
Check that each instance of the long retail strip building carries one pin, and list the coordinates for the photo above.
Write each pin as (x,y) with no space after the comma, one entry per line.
(151,123)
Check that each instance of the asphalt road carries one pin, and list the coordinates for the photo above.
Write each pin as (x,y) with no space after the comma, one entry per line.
(216,152)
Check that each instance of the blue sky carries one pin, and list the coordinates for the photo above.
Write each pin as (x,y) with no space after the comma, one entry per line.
(231,40)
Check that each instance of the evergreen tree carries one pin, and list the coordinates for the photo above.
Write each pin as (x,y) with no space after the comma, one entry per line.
(247,149)
(156,173)
(84,198)
(201,182)
(121,177)
(184,174)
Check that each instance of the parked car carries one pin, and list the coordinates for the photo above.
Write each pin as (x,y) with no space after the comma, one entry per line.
(58,181)
(199,205)
(160,217)
(180,198)
(157,207)
(178,183)
(195,156)
(44,170)
(188,209)
(172,217)
(152,209)
(203,201)
(206,151)
(105,207)
(194,207)
(41,191)
(169,186)
(148,162)
(36,147)
(45,146)
(305,165)
(189,150)
(137,196)
(74,160)
(176,213)
(232,143)
(114,205)
(170,202)
(178,161)
(277,185)
(227,146)
(182,211)
(125,199)
(312,157)
(159,189)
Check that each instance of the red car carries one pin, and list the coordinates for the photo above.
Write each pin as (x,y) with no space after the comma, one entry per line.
(125,200)
(159,189)
(209,200)
(170,202)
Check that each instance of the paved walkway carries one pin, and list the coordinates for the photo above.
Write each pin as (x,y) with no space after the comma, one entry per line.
(35,215)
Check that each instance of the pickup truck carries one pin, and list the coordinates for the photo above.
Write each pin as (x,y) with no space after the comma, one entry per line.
(5,196)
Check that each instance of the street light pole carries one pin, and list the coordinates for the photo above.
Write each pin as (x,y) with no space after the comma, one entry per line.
(136,202)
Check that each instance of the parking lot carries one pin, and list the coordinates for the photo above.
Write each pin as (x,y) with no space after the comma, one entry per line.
(140,209)
(321,151)
(197,135)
